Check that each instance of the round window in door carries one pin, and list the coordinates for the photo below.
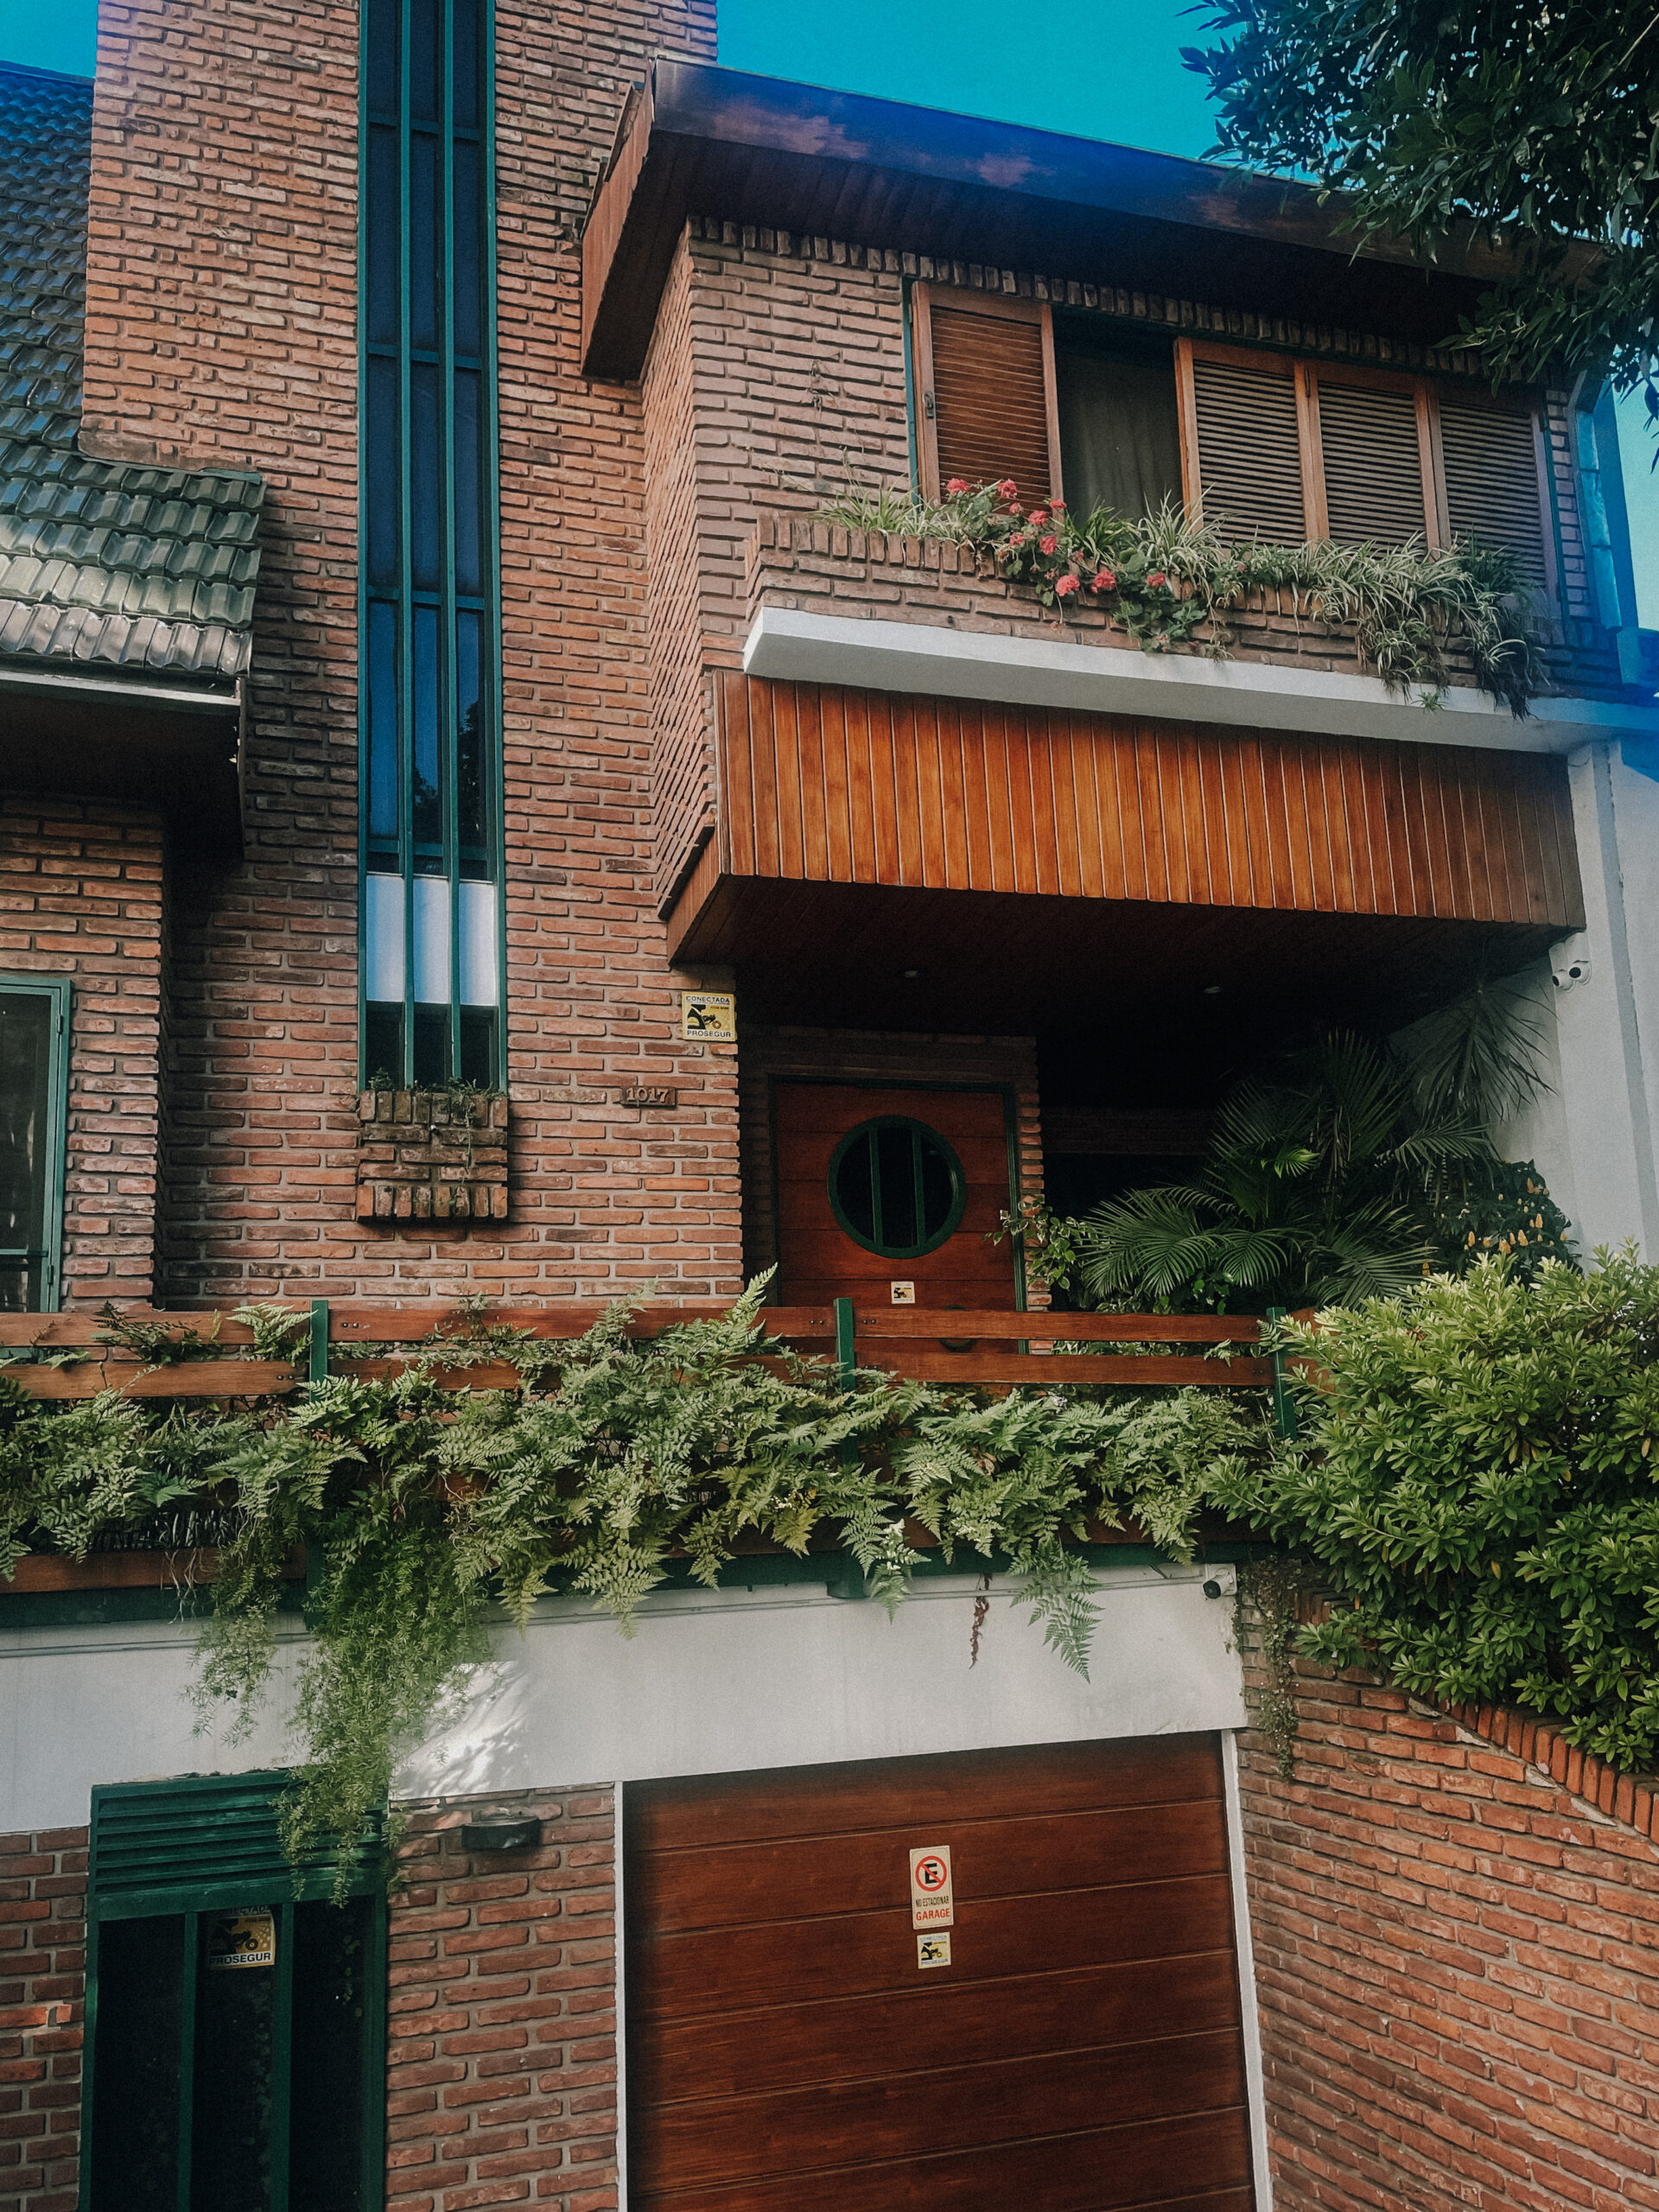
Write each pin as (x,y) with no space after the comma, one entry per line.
(896,1187)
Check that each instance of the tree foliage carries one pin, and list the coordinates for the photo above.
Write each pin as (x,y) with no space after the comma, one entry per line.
(1476,1480)
(1535,127)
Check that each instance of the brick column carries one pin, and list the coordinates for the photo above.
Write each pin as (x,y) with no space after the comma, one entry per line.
(502,2052)
(43,2004)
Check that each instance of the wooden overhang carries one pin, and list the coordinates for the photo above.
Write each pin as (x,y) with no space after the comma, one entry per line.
(165,744)
(697,139)
(890,858)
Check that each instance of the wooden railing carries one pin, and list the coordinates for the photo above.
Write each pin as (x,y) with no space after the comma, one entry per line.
(208,1354)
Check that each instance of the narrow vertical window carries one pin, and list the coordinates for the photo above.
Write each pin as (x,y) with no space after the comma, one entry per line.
(33,1071)
(430,746)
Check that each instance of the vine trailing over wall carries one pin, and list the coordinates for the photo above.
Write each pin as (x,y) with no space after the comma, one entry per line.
(1163,577)
(421,1507)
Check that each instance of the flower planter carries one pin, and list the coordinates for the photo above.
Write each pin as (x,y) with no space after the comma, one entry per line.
(431,1156)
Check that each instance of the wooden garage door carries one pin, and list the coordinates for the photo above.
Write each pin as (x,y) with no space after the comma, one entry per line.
(1082,2051)
(818,1260)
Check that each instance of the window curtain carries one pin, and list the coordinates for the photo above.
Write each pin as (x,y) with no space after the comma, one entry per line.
(1120,432)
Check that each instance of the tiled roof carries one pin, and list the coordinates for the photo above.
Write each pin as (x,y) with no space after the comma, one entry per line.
(114,563)
(44,141)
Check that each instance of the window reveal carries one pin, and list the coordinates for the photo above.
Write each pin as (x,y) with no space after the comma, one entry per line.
(430,806)
(34,1069)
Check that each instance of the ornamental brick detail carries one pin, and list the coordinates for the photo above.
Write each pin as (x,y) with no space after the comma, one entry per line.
(430,1156)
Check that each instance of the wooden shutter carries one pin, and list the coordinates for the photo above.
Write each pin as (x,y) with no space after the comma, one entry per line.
(1242,443)
(1377,469)
(986,402)
(204,1842)
(1494,487)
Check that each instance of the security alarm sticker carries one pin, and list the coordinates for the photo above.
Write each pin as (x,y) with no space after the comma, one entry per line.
(933,1950)
(242,1939)
(904,1294)
(932,1904)
(708,1014)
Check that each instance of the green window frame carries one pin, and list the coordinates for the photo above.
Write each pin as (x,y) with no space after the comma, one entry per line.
(169,1859)
(889,1155)
(432,930)
(33,1140)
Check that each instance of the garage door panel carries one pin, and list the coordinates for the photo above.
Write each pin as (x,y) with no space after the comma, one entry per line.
(940,2020)
(802,2132)
(717,1970)
(755,1882)
(957,1787)
(1193,2164)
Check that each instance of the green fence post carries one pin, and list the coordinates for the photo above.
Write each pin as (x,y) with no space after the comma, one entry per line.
(317,1371)
(846,1344)
(1284,1406)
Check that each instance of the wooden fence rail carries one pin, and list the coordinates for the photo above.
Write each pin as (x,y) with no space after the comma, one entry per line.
(206,1354)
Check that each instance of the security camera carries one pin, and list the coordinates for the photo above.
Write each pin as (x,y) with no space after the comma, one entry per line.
(1571,965)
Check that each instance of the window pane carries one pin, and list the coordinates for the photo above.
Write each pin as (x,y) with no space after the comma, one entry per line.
(383,933)
(383,726)
(855,1187)
(425,20)
(425,248)
(939,1186)
(1120,432)
(331,2000)
(469,486)
(464,92)
(26,1022)
(380,314)
(380,85)
(431,1057)
(134,2146)
(382,1043)
(479,985)
(381,461)
(427,798)
(426,490)
(468,249)
(478,1030)
(433,965)
(469,745)
(895,1182)
(231,2103)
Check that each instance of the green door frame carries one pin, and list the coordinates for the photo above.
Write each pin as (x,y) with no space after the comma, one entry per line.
(49,1254)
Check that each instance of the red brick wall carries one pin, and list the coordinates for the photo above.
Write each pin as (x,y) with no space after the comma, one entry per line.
(502,2051)
(81,895)
(1457,1967)
(222,327)
(42,1992)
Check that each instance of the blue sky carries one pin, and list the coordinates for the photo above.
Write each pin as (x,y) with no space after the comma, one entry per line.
(1112,71)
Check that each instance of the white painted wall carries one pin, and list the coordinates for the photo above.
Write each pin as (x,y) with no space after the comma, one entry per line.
(714,1681)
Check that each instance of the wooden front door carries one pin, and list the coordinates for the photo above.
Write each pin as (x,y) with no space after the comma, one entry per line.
(879,1184)
(1082,2051)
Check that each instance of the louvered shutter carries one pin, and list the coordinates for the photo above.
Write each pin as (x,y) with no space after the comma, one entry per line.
(1373,464)
(1249,462)
(1490,459)
(204,1843)
(992,406)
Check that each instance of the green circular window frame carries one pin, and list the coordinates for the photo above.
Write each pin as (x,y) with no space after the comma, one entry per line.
(958,1187)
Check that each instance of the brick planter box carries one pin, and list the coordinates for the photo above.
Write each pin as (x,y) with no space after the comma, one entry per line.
(425,1156)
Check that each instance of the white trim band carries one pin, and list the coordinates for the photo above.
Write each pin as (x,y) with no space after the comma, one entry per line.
(922,657)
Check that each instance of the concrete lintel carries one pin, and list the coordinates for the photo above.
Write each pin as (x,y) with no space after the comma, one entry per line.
(879,656)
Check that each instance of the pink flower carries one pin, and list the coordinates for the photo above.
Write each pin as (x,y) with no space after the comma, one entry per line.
(1058,505)
(1007,489)
(1048,544)
(1065,585)
(1038,515)
(1155,579)
(1017,538)
(956,484)
(1105,581)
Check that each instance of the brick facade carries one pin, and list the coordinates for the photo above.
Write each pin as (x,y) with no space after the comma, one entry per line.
(42,1993)
(1456,1961)
(502,2069)
(81,896)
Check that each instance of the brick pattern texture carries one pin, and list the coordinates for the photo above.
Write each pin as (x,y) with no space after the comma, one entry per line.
(42,1993)
(425,1159)
(81,896)
(502,2073)
(1457,1961)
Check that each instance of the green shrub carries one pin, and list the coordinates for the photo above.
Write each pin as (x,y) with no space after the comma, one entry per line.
(1475,1483)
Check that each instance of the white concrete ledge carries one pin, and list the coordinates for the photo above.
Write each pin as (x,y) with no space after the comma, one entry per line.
(1184,687)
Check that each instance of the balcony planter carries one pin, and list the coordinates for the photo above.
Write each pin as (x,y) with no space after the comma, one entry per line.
(431,1156)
